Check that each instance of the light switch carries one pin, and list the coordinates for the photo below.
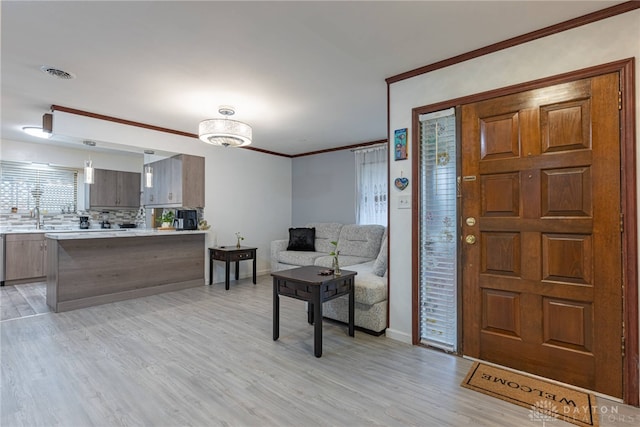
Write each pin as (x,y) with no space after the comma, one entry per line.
(404,202)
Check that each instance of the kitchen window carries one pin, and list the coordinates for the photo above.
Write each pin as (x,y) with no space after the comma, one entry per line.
(23,186)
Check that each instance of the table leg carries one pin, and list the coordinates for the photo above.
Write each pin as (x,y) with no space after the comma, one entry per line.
(254,269)
(276,310)
(351,308)
(210,268)
(317,322)
(237,269)
(310,312)
(226,275)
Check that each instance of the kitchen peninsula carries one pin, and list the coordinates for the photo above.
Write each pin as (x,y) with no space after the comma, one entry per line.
(86,269)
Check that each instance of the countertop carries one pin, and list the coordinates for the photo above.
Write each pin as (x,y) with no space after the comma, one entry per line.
(10,230)
(108,234)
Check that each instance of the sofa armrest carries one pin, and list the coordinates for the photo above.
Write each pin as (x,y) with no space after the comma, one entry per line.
(276,247)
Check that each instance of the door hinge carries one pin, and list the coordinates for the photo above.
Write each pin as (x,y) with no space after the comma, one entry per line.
(622,341)
(621,222)
(619,100)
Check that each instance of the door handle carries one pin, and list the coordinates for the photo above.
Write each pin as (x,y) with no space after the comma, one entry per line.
(470,239)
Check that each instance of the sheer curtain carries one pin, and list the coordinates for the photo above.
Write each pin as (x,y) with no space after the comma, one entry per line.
(371,185)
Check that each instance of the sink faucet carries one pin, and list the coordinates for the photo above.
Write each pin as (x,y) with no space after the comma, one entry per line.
(36,212)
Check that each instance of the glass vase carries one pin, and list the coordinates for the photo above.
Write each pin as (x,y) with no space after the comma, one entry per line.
(336,267)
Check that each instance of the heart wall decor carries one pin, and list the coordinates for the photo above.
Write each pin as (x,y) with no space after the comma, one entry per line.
(401,183)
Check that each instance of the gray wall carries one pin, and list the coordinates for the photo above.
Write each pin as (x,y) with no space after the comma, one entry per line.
(323,188)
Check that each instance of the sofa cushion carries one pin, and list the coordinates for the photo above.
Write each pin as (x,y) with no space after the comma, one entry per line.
(360,240)
(345,261)
(370,289)
(302,239)
(326,232)
(298,258)
(380,264)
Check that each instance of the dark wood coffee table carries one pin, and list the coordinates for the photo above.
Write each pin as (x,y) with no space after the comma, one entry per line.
(229,254)
(304,283)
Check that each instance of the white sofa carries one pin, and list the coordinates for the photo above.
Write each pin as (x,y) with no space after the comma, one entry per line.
(363,248)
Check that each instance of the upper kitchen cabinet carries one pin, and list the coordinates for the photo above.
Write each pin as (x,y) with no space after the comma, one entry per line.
(178,181)
(114,189)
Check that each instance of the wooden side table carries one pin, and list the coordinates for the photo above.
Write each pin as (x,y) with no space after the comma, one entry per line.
(306,284)
(229,254)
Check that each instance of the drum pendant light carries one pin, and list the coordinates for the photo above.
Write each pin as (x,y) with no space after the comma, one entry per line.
(225,132)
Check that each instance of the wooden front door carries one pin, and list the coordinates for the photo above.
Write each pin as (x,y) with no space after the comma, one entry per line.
(541,230)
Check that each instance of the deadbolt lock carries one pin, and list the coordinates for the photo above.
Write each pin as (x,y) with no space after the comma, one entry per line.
(470,239)
(471,221)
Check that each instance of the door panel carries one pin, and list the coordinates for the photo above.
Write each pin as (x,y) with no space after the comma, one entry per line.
(542,275)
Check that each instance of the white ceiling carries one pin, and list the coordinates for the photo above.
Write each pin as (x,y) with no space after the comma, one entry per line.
(306,75)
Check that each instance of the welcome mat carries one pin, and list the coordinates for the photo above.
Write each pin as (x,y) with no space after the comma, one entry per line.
(547,401)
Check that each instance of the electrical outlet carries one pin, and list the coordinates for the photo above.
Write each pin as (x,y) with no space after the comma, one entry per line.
(404,202)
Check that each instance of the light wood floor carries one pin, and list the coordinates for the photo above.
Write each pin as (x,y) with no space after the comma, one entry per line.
(23,300)
(205,357)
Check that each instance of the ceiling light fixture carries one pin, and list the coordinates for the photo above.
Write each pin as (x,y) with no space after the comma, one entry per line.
(148,171)
(225,132)
(89,176)
(36,131)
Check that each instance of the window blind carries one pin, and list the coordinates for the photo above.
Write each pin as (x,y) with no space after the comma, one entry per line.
(25,186)
(438,230)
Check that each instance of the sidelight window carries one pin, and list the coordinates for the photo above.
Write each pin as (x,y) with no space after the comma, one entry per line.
(438,230)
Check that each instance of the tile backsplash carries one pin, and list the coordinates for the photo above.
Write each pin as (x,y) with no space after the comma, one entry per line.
(72,220)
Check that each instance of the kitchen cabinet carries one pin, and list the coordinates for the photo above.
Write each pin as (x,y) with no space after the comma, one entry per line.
(114,189)
(25,256)
(161,192)
(178,181)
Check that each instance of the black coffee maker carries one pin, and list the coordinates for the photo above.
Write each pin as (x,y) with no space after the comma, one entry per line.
(105,220)
(84,222)
(189,219)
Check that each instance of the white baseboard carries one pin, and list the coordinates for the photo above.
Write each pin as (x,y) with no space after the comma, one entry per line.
(398,336)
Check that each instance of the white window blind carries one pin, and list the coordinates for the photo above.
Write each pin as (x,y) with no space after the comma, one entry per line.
(438,230)
(25,186)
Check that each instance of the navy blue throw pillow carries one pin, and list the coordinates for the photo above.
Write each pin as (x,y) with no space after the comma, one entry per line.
(302,239)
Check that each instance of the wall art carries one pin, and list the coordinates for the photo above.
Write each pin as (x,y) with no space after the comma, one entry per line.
(401,183)
(400,144)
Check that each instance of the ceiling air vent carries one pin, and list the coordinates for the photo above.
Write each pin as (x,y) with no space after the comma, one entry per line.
(58,74)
